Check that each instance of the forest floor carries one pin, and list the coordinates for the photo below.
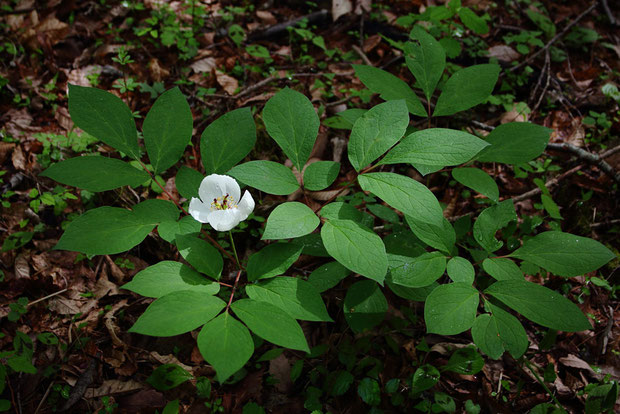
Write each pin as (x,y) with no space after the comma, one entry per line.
(559,72)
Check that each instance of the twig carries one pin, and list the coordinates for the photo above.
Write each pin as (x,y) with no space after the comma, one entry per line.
(277,29)
(548,184)
(609,14)
(604,223)
(610,152)
(544,91)
(232,293)
(361,53)
(588,157)
(47,393)
(554,39)
(47,297)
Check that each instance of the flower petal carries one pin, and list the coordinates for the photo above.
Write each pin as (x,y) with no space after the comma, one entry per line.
(216,185)
(245,206)
(199,210)
(224,220)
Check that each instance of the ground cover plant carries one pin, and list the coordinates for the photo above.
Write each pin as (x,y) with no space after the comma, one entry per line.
(315,247)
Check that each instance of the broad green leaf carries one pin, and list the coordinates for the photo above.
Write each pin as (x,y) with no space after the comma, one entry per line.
(227,140)
(404,194)
(564,254)
(339,382)
(419,271)
(268,176)
(356,247)
(312,245)
(169,230)
(166,377)
(298,298)
(369,391)
(415,294)
(376,131)
(272,260)
(104,230)
(364,306)
(511,332)
(154,211)
(167,129)
(167,277)
(292,122)
(502,269)
(290,220)
(478,180)
(320,175)
(426,60)
(490,220)
(178,312)
(104,116)
(551,207)
(461,270)
(440,237)
(467,88)
(345,211)
(473,21)
(465,361)
(201,255)
(328,276)
(188,181)
(435,147)
(270,323)
(389,87)
(384,213)
(451,309)
(95,173)
(515,143)
(226,344)
(172,407)
(539,304)
(344,119)
(424,378)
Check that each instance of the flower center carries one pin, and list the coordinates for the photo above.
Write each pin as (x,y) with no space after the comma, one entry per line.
(224,202)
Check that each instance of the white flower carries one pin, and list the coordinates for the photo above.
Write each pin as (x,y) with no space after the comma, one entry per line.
(220,204)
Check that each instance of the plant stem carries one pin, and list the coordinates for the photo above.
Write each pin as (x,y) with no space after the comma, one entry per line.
(232,293)
(541,382)
(232,243)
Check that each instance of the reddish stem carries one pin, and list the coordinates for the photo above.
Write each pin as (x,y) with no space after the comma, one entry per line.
(232,294)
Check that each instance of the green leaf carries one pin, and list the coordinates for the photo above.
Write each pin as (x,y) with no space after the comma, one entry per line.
(171,408)
(515,143)
(95,173)
(376,131)
(226,344)
(104,116)
(461,270)
(298,298)
(564,254)
(320,175)
(178,312)
(384,213)
(467,88)
(502,269)
(154,211)
(540,305)
(340,382)
(344,119)
(478,180)
(465,361)
(170,230)
(424,378)
(426,60)
(328,276)
(201,255)
(419,271)
(104,230)
(369,391)
(498,332)
(435,147)
(167,129)
(270,323)
(472,21)
(227,140)
(188,181)
(268,176)
(451,309)
(272,260)
(345,211)
(389,87)
(290,220)
(167,277)
(356,247)
(168,376)
(490,220)
(364,306)
(415,294)
(21,363)
(404,194)
(292,122)
(440,237)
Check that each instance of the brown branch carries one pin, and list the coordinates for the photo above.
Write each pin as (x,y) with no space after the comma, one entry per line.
(555,38)
(590,158)
(232,293)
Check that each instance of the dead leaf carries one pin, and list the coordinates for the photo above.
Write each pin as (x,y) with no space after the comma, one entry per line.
(227,82)
(18,159)
(170,359)
(372,42)
(110,387)
(280,368)
(266,17)
(503,53)
(53,29)
(205,65)
(22,267)
(157,72)
(5,149)
(340,8)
